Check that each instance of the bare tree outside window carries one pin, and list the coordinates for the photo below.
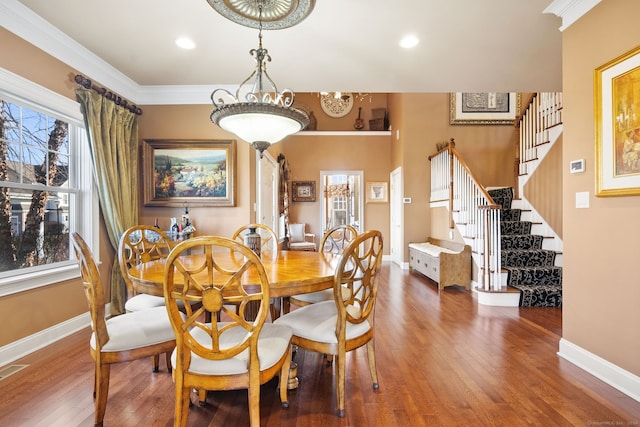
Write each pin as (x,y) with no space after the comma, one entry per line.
(34,188)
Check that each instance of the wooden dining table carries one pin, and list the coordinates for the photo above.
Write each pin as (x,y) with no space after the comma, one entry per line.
(290,273)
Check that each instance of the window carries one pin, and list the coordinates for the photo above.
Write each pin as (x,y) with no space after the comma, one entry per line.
(46,189)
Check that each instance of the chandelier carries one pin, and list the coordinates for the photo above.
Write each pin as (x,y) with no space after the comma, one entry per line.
(258,113)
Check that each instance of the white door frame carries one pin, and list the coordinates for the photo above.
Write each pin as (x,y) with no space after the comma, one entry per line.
(396,217)
(267,204)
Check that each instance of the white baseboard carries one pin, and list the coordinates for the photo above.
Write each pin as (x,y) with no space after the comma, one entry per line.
(18,349)
(611,374)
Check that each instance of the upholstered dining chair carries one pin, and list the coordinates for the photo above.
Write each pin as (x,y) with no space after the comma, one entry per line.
(122,338)
(344,324)
(299,239)
(334,240)
(234,352)
(138,244)
(268,240)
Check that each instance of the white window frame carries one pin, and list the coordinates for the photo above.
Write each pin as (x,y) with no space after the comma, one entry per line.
(19,90)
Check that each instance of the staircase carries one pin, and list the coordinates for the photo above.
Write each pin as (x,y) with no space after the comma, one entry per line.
(529,268)
(517,256)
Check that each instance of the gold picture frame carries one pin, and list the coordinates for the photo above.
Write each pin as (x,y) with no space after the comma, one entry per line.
(193,172)
(617,104)
(303,191)
(478,108)
(377,192)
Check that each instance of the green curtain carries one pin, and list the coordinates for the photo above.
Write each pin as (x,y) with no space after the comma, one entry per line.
(113,141)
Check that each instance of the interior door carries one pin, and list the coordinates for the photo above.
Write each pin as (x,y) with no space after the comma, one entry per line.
(267,191)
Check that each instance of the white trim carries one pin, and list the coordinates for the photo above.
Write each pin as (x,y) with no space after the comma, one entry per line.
(25,346)
(497,299)
(570,10)
(600,368)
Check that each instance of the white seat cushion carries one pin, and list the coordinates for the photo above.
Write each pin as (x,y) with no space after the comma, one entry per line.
(431,249)
(143,302)
(137,329)
(320,296)
(317,322)
(273,342)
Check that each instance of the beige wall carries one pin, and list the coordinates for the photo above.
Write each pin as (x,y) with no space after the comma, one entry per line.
(27,313)
(488,150)
(544,188)
(601,291)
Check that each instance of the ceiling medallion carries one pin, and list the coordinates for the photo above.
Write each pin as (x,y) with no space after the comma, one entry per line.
(336,104)
(276,14)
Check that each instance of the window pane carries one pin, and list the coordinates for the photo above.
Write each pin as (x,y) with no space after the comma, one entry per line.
(39,217)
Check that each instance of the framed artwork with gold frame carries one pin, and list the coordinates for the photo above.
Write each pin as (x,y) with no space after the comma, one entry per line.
(617,116)
(193,172)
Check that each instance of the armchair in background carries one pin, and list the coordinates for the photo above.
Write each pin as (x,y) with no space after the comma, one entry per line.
(299,239)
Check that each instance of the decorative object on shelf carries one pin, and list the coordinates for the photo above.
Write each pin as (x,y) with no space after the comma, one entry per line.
(193,172)
(336,104)
(304,191)
(253,240)
(257,114)
(377,192)
(378,119)
(270,15)
(483,108)
(359,123)
(618,126)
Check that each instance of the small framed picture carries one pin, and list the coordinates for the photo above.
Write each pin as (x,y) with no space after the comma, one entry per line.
(303,191)
(576,166)
(377,192)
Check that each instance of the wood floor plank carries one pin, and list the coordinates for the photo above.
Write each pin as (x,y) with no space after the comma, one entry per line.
(443,360)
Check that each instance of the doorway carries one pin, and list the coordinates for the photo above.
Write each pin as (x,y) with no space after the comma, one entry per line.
(267,192)
(342,199)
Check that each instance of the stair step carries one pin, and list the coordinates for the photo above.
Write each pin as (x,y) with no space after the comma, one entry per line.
(532,276)
(527,258)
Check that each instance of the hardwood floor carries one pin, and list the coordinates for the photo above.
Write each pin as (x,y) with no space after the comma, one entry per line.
(443,360)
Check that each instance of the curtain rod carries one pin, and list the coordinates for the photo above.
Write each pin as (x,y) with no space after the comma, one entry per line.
(117,99)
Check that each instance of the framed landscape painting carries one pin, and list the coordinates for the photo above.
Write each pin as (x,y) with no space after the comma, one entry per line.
(478,108)
(617,100)
(193,172)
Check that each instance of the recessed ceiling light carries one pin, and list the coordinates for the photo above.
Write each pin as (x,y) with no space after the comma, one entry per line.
(185,43)
(409,41)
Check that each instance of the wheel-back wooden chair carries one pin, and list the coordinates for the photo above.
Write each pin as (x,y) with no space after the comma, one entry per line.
(139,244)
(334,240)
(233,353)
(344,324)
(122,338)
(269,247)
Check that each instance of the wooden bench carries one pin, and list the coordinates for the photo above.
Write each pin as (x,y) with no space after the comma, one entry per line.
(446,263)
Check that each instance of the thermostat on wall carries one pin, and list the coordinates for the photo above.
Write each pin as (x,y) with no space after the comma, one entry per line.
(406,200)
(576,166)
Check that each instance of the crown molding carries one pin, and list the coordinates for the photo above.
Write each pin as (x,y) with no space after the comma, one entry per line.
(23,22)
(570,10)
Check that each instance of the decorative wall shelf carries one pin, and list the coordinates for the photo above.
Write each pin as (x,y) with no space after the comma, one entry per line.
(344,133)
